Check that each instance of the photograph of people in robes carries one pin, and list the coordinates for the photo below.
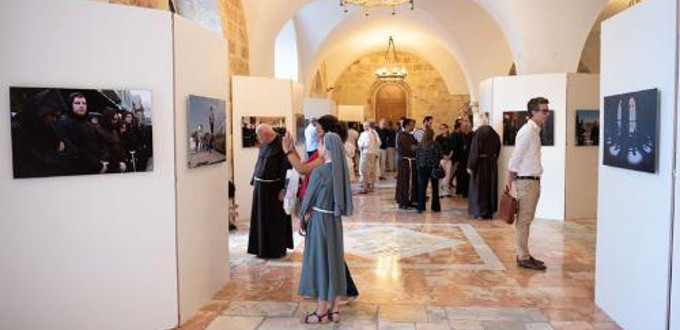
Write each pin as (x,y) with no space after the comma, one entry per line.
(514,120)
(249,124)
(630,132)
(207,127)
(59,131)
(271,229)
(587,128)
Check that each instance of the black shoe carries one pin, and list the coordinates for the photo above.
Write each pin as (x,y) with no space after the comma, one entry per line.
(530,264)
(487,217)
(540,262)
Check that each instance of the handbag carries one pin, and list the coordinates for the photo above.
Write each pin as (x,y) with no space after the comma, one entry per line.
(509,207)
(438,172)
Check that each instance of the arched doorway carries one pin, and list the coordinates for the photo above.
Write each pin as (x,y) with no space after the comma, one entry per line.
(391,101)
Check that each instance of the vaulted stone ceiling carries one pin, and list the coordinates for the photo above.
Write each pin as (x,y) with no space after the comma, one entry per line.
(482,38)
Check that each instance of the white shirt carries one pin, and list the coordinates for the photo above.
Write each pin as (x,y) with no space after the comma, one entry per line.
(526,158)
(368,143)
(419,134)
(311,138)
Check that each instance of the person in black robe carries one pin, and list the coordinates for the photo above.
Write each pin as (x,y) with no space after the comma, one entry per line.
(461,150)
(483,169)
(407,174)
(114,154)
(37,149)
(83,137)
(271,229)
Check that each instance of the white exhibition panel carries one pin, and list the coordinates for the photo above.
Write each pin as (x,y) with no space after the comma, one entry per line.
(96,251)
(583,93)
(512,94)
(201,69)
(634,209)
(351,113)
(485,101)
(318,108)
(249,99)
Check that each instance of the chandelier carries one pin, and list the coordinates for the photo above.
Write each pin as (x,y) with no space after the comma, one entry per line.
(367,4)
(391,71)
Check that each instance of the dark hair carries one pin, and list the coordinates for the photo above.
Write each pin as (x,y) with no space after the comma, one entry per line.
(427,118)
(72,97)
(408,121)
(445,125)
(457,124)
(428,137)
(331,123)
(534,104)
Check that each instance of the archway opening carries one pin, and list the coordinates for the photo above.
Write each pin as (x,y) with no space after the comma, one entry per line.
(390,101)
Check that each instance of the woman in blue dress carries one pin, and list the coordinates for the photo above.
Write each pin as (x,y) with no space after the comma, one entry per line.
(327,199)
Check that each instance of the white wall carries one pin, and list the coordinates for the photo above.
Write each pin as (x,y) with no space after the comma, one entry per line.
(97,251)
(319,107)
(248,98)
(581,162)
(512,94)
(201,69)
(286,60)
(634,217)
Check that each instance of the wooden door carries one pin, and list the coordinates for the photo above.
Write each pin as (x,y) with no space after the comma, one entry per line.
(390,102)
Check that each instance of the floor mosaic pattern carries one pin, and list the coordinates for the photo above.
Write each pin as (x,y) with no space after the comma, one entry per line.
(423,271)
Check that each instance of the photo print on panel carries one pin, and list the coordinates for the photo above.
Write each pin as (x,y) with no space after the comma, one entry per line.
(630,130)
(514,120)
(69,131)
(207,128)
(249,124)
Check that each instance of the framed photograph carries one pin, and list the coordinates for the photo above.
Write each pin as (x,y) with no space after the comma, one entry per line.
(206,123)
(514,120)
(631,130)
(249,124)
(67,131)
(587,128)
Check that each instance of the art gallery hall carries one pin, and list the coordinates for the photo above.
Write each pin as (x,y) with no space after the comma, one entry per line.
(132,135)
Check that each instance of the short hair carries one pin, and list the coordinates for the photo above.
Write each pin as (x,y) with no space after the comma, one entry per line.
(457,123)
(408,121)
(533,104)
(444,124)
(427,118)
(73,96)
(329,123)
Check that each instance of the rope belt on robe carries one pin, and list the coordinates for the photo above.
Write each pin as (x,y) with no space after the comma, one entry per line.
(266,180)
(410,168)
(322,210)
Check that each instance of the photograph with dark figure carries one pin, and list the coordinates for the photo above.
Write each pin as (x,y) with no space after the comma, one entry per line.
(630,130)
(587,128)
(249,124)
(513,121)
(62,131)
(207,127)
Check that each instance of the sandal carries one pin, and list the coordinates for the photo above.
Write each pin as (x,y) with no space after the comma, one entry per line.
(334,318)
(320,319)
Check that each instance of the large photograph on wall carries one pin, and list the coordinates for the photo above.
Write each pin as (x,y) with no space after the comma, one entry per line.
(514,120)
(587,128)
(65,131)
(207,127)
(630,132)
(249,124)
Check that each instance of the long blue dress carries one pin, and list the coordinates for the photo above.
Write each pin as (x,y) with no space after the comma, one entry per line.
(323,268)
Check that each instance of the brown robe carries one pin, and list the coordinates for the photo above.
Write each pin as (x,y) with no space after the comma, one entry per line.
(406,194)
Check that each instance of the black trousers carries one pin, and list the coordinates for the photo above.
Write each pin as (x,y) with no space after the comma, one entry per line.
(425,176)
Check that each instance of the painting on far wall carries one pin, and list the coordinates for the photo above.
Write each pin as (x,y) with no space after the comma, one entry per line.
(300,125)
(630,130)
(207,129)
(587,128)
(249,124)
(514,120)
(70,131)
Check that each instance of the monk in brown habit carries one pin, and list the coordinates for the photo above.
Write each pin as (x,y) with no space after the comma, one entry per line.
(271,230)
(482,166)
(407,174)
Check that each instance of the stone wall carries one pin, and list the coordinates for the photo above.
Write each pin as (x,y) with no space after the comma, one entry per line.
(429,94)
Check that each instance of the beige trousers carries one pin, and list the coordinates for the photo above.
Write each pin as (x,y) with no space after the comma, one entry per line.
(367,165)
(528,192)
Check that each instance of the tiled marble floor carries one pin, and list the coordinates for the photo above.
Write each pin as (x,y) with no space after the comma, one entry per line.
(427,271)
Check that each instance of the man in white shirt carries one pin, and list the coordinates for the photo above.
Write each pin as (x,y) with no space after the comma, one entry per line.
(368,146)
(420,132)
(311,139)
(525,169)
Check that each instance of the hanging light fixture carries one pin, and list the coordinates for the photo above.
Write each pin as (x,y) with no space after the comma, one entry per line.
(391,71)
(367,4)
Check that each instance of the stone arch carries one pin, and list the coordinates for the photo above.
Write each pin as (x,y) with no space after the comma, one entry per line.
(377,87)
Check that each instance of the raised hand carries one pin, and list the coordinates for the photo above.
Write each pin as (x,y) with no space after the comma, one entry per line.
(288,142)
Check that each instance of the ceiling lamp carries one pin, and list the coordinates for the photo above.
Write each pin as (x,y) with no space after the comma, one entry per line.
(367,4)
(391,71)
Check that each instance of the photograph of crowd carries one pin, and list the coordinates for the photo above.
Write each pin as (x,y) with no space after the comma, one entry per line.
(249,125)
(587,128)
(514,120)
(630,130)
(206,120)
(58,131)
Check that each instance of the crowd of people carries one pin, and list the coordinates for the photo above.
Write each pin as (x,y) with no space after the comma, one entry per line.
(325,195)
(52,136)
